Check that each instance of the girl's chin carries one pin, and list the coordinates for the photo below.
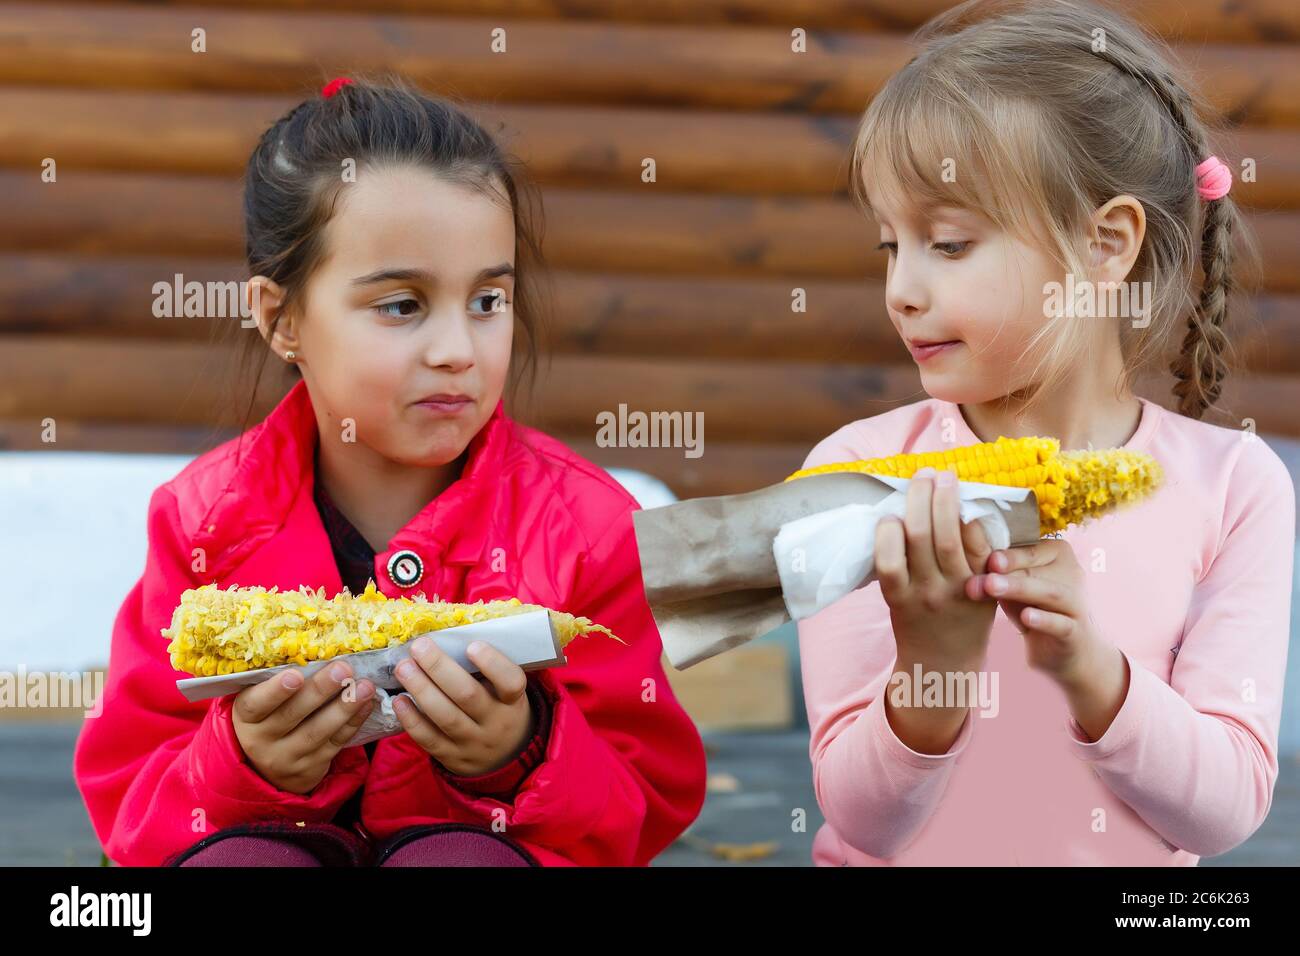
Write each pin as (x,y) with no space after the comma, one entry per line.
(947,389)
(437,457)
(427,444)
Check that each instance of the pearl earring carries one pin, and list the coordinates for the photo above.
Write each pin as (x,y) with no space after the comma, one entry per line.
(290,356)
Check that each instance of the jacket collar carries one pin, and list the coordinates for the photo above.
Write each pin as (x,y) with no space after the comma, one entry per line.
(275,467)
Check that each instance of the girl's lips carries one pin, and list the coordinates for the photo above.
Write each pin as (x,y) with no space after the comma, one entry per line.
(923,352)
(449,407)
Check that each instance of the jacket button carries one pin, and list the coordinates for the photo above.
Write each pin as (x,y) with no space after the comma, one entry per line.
(405,568)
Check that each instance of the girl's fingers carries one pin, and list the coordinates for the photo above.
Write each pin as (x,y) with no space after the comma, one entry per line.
(507,678)
(1047,622)
(1022,558)
(432,740)
(922,565)
(453,680)
(433,703)
(337,719)
(1038,592)
(345,733)
(254,704)
(890,558)
(976,543)
(320,687)
(949,546)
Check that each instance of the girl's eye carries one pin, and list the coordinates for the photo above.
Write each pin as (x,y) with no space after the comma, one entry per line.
(890,247)
(950,248)
(402,312)
(493,302)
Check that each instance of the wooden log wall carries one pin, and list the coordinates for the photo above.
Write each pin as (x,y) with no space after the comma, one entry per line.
(672,295)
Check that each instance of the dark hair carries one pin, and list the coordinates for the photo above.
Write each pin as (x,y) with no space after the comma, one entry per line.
(293,182)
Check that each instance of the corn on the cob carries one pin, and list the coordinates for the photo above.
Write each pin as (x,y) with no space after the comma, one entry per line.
(216,631)
(1071,486)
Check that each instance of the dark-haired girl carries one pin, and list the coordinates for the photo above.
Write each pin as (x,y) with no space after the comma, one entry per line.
(393,257)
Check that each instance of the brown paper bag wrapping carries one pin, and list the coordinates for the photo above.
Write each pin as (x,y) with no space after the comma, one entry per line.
(707,564)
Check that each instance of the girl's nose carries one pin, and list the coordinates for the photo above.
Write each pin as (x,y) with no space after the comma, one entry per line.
(905,289)
(451,342)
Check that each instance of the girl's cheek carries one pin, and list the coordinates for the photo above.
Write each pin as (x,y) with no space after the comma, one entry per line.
(495,348)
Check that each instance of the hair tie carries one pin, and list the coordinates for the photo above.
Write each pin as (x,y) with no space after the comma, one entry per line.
(334,85)
(1213,179)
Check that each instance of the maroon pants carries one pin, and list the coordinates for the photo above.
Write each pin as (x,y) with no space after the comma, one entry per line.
(324,844)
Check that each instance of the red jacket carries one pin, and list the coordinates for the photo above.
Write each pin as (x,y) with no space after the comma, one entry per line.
(624,766)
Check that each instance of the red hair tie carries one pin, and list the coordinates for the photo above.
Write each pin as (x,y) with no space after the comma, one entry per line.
(333,86)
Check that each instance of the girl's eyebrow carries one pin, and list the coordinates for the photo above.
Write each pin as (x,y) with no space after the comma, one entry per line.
(423,275)
(504,269)
(386,275)
(955,214)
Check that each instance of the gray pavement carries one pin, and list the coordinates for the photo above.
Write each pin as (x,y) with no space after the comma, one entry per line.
(758,779)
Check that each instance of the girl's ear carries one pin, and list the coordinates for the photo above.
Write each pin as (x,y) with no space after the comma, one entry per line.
(1118,228)
(265,301)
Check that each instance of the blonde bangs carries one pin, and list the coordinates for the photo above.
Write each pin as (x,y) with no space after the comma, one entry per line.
(925,141)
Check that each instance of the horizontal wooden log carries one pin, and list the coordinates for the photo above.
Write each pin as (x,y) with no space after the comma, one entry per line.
(585,146)
(650,231)
(725,468)
(607,314)
(591,146)
(597,62)
(1243,21)
(185,383)
(604,314)
(174,383)
(18,434)
(113,381)
(137,47)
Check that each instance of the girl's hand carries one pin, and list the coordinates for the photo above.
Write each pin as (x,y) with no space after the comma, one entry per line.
(290,729)
(1040,588)
(467,726)
(923,564)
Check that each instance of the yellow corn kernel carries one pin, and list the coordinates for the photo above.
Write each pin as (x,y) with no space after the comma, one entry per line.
(1071,486)
(215,631)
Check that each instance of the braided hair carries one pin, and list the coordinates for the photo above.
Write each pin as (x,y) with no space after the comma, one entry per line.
(1200,367)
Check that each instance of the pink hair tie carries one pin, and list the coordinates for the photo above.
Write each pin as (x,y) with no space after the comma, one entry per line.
(333,86)
(1213,179)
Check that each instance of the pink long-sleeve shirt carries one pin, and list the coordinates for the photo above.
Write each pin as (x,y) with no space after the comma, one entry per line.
(1193,585)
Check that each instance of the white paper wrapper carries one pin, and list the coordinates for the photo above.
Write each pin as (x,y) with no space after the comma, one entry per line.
(528,639)
(824,556)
